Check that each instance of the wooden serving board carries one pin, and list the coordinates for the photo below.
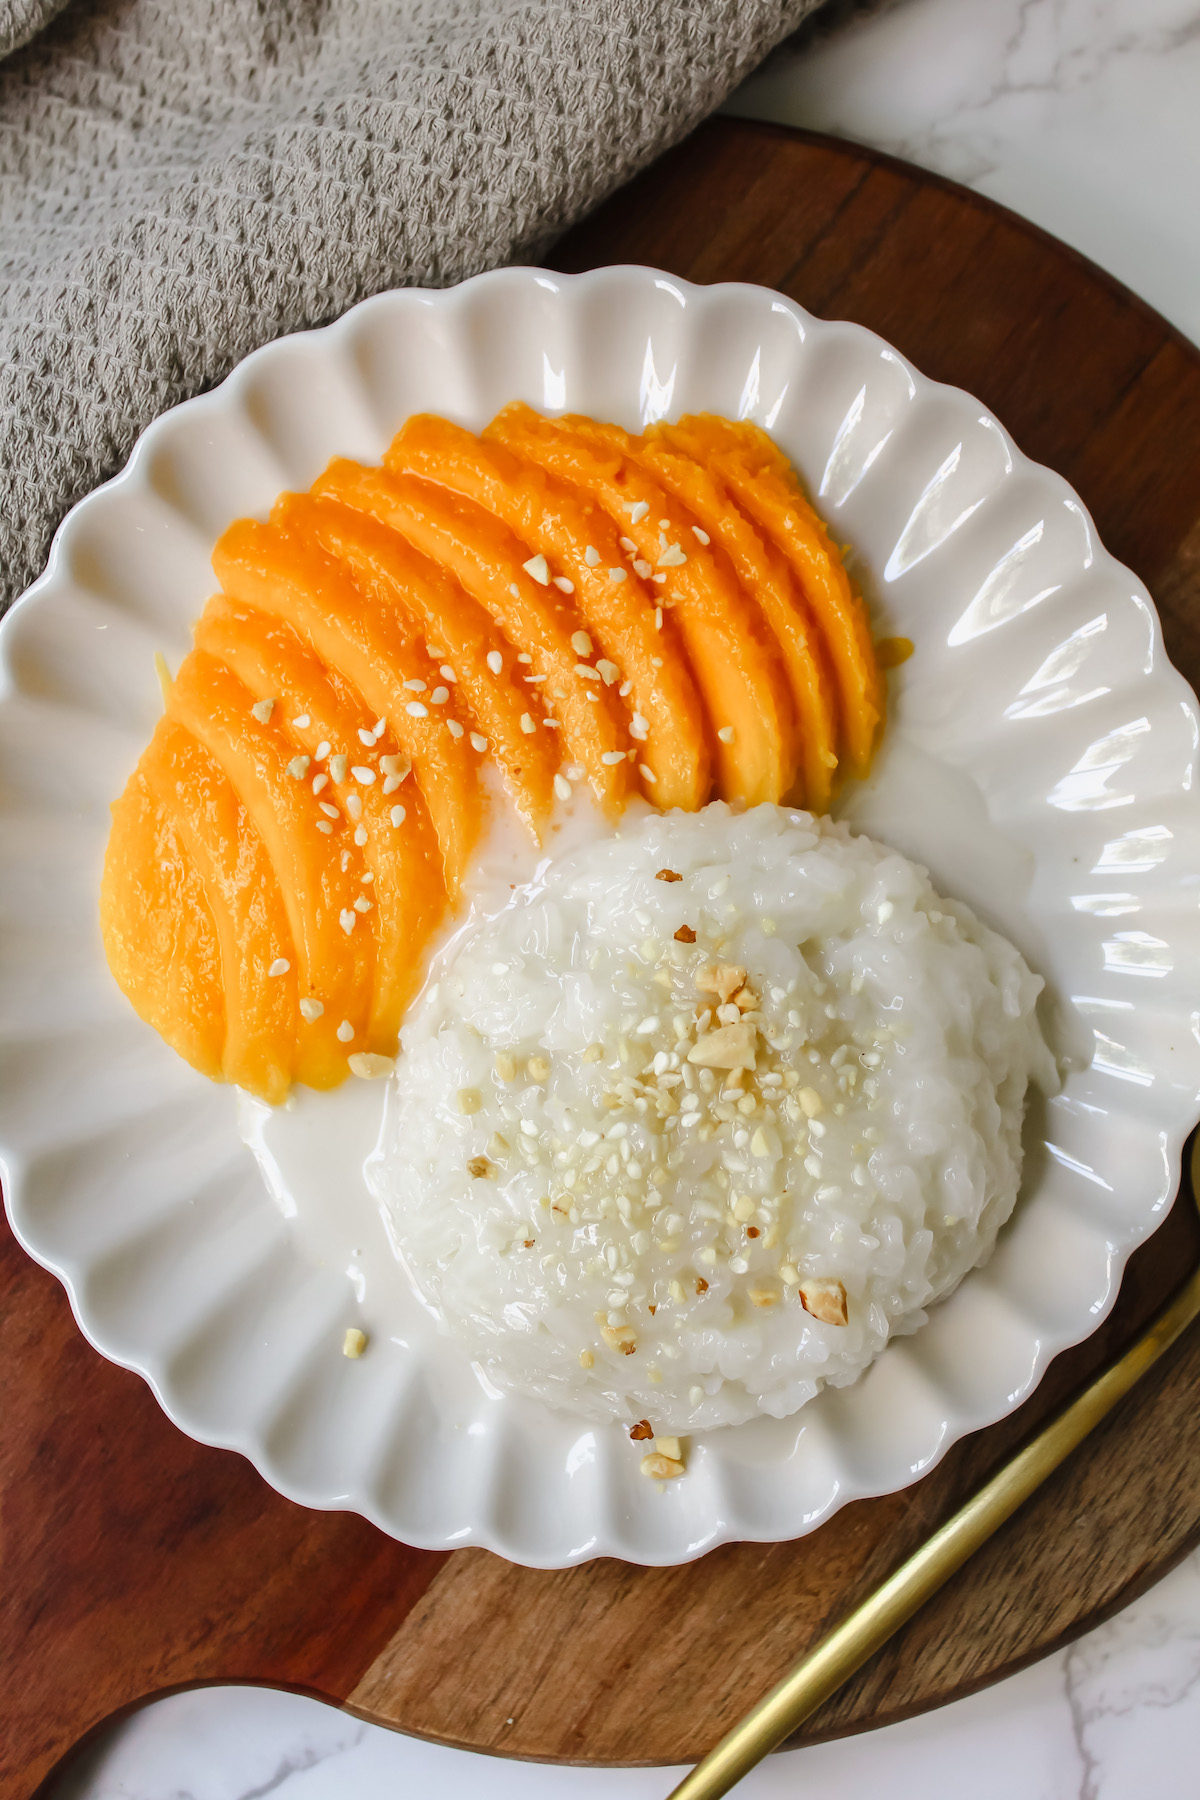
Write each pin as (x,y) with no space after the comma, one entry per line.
(135,1561)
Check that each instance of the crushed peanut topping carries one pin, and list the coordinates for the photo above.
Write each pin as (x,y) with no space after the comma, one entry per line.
(354,1342)
(667,875)
(480,1169)
(660,1467)
(685,935)
(722,979)
(825,1300)
(642,1430)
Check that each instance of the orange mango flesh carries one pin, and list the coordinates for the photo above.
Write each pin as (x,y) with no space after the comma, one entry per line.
(386,565)
(733,662)
(553,520)
(215,707)
(488,562)
(764,573)
(159,935)
(214,828)
(664,611)
(398,867)
(761,482)
(374,647)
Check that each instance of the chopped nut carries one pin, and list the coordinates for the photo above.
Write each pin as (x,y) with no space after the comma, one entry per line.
(685,935)
(593,1053)
(661,1468)
(539,1068)
(811,1102)
(480,1168)
(762,1296)
(667,875)
(370,1067)
(619,1337)
(728,1047)
(669,1446)
(701,1285)
(586,1359)
(469,1100)
(354,1342)
(643,1429)
(825,1300)
(723,979)
(746,1000)
(506,1066)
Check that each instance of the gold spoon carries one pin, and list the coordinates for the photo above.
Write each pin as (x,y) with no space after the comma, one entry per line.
(833,1661)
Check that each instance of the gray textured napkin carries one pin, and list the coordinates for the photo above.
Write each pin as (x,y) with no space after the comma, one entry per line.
(181,180)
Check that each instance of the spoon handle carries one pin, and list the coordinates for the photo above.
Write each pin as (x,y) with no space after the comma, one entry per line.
(882,1613)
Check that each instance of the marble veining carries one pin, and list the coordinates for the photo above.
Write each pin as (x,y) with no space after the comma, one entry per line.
(1116,1716)
(1080,114)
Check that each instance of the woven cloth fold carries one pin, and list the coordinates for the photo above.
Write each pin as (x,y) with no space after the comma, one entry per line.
(182,180)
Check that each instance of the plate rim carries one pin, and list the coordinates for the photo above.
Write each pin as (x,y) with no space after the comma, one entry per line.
(129,476)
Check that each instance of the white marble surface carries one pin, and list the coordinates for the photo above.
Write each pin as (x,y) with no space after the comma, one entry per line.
(1084,116)
(1081,114)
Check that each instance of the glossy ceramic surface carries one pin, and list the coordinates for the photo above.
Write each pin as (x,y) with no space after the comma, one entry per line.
(1041,759)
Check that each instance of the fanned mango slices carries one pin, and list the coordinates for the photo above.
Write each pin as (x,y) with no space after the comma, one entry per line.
(734,663)
(557,598)
(397,866)
(373,644)
(760,481)
(489,563)
(577,538)
(401,579)
(763,571)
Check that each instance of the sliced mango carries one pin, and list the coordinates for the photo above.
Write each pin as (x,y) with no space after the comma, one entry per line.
(767,577)
(397,867)
(734,663)
(159,935)
(386,565)
(764,484)
(579,544)
(488,562)
(373,645)
(247,908)
(333,959)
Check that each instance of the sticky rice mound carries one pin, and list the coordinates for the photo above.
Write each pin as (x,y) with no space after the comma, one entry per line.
(707,1113)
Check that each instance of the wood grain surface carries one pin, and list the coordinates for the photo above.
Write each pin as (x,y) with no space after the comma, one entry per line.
(135,1561)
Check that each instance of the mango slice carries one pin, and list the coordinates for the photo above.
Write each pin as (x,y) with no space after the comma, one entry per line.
(386,565)
(374,647)
(764,485)
(765,574)
(383,831)
(159,935)
(579,544)
(488,562)
(733,661)
(261,1017)
(333,959)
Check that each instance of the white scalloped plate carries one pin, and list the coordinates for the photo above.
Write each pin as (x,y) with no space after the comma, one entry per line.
(1040,758)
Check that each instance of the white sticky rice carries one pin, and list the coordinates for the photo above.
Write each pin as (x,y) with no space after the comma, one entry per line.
(625,1233)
